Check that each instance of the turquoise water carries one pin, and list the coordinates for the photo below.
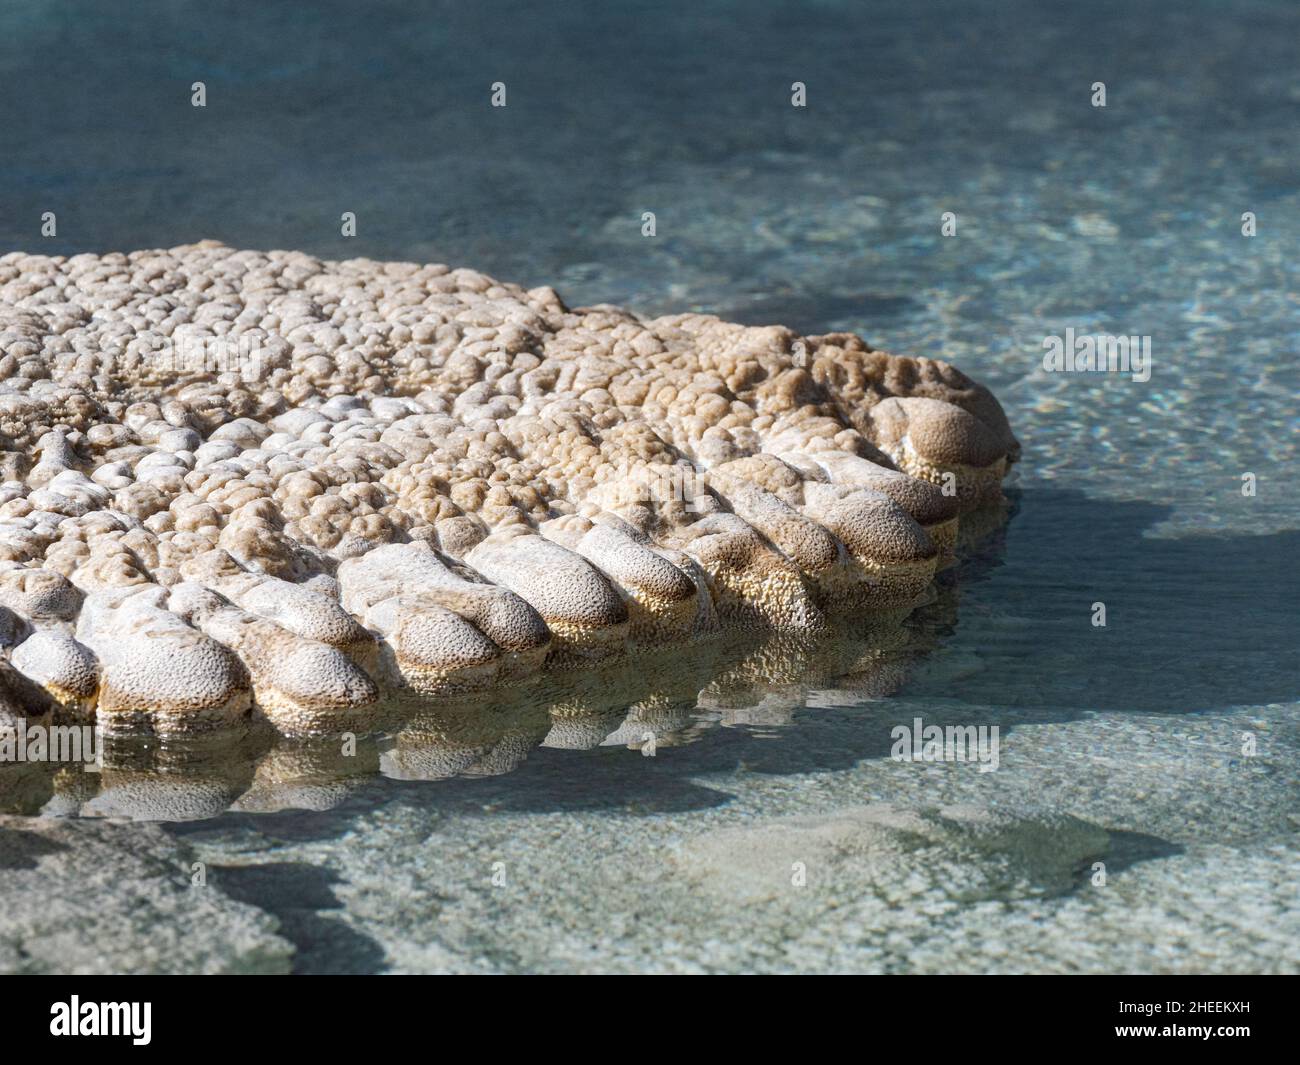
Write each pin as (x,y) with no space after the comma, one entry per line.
(532,847)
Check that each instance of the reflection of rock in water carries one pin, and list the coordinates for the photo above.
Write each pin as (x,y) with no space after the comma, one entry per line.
(316,774)
(186,781)
(652,698)
(479,735)
(658,721)
(863,658)
(652,693)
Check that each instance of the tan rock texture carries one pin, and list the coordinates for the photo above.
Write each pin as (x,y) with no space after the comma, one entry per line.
(239,482)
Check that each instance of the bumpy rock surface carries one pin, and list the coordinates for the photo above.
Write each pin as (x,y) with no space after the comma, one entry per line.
(238,482)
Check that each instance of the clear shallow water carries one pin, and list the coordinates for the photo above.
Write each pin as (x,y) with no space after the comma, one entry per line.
(1121,745)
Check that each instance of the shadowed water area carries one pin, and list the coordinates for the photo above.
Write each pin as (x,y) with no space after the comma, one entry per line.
(771,830)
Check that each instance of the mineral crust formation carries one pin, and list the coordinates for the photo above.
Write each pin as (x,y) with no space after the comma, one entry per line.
(258,483)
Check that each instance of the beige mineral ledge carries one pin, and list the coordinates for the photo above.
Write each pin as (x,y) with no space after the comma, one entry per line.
(257,483)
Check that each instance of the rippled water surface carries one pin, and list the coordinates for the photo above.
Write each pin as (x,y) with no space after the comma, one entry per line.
(1143,813)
